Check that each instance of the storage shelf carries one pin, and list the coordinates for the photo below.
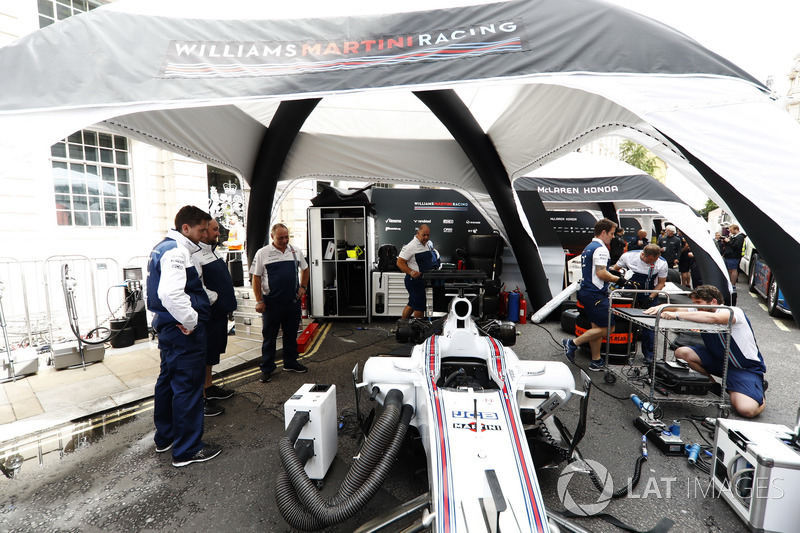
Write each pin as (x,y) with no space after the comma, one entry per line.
(339,284)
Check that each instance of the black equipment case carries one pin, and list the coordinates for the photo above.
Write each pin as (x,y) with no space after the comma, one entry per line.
(680,379)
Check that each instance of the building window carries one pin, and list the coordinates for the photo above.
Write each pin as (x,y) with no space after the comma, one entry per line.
(92,177)
(52,10)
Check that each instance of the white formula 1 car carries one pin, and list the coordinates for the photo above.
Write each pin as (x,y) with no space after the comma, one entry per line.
(477,410)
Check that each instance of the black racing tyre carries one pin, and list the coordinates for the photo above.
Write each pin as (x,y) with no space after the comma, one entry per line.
(491,306)
(673,276)
(485,264)
(404,332)
(507,333)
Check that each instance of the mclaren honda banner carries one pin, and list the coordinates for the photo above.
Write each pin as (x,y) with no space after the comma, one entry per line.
(610,189)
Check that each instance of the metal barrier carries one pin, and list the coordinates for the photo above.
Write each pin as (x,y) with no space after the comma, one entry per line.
(6,264)
(82,268)
(34,302)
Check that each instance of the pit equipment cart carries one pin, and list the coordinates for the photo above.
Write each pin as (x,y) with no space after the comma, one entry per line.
(646,382)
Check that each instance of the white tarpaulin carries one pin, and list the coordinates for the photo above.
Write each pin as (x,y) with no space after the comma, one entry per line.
(469,94)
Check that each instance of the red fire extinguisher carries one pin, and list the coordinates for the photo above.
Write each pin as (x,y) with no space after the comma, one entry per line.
(523,310)
(502,303)
(304,306)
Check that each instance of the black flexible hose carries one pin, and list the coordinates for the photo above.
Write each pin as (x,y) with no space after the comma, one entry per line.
(637,471)
(375,446)
(299,501)
(452,377)
(72,312)
(324,516)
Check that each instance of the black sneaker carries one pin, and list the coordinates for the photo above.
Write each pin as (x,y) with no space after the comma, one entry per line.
(297,367)
(266,377)
(208,452)
(215,392)
(162,449)
(597,365)
(765,385)
(569,349)
(212,409)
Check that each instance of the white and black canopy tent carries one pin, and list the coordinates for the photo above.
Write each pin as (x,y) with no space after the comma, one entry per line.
(580,181)
(466,94)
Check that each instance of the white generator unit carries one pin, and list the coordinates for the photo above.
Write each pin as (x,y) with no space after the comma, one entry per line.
(756,469)
(319,401)
(19,363)
(68,354)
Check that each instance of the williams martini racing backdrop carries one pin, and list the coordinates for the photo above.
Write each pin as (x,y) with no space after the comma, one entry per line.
(451,217)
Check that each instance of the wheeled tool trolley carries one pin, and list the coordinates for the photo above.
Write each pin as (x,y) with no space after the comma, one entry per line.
(666,380)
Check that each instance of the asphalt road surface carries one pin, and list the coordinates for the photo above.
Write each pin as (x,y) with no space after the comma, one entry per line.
(119,483)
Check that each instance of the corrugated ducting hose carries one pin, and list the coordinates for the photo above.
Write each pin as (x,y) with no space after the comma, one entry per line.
(298,499)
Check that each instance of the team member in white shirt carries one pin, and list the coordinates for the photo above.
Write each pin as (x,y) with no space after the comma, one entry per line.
(278,290)
(649,273)
(745,381)
(416,258)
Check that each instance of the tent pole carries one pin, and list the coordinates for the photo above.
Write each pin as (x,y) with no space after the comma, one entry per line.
(275,145)
(477,146)
(774,244)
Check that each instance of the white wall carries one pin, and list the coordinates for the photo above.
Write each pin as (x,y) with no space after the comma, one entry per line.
(163,182)
(17,17)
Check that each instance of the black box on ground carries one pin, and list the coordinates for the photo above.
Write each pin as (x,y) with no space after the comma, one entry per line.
(680,379)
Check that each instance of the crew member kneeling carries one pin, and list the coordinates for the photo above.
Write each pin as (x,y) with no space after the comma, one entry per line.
(746,367)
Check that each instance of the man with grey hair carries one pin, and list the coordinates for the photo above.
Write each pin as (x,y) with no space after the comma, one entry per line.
(278,290)
(670,245)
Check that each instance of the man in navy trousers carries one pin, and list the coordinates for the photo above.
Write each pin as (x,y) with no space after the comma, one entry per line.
(181,308)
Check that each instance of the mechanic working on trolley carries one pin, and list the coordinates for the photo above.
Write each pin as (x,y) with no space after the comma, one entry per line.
(649,271)
(416,258)
(746,368)
(593,294)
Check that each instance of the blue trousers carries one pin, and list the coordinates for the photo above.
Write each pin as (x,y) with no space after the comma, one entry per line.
(178,399)
(286,317)
(648,335)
